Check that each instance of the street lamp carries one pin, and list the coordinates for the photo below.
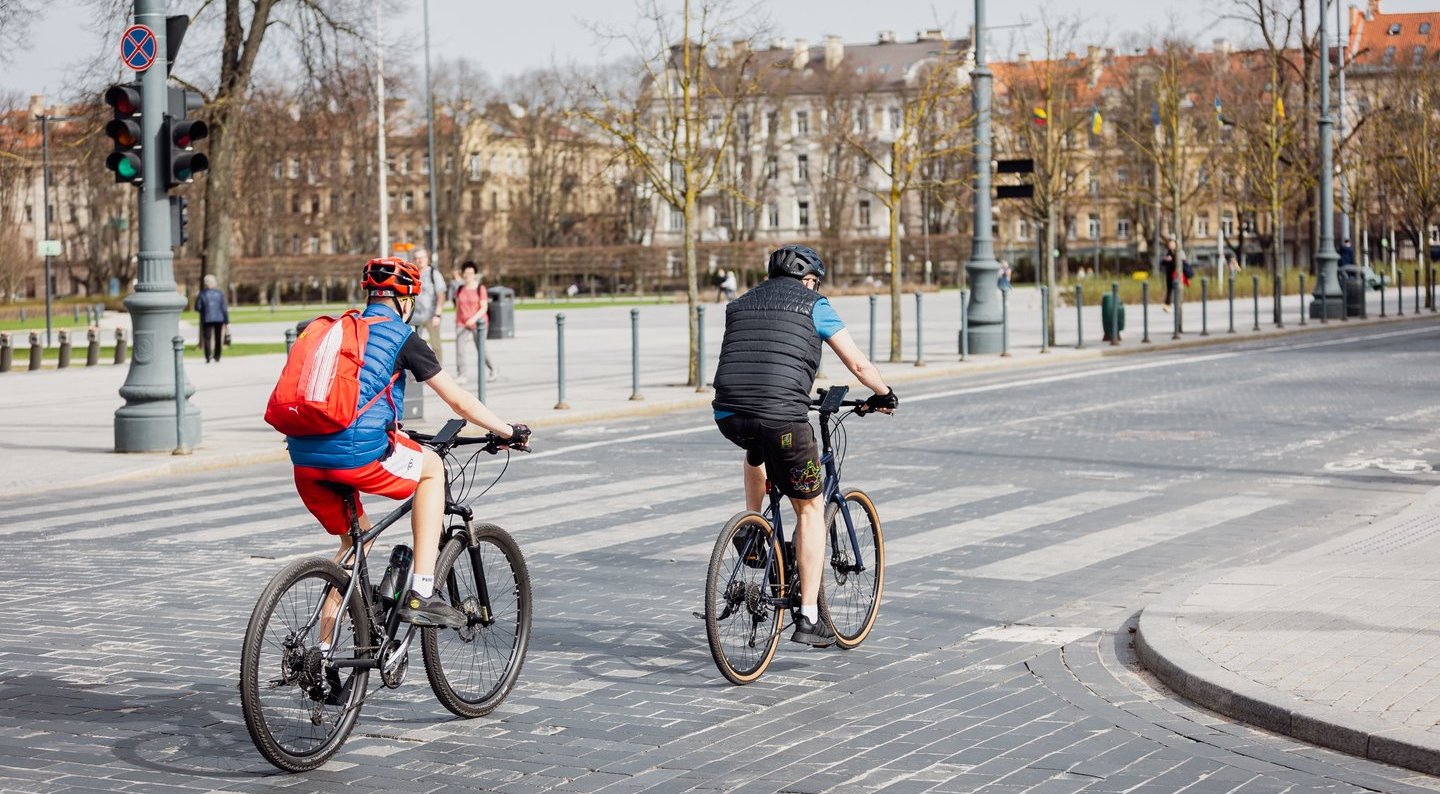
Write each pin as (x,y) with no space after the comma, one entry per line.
(45,120)
(984,333)
(1327,288)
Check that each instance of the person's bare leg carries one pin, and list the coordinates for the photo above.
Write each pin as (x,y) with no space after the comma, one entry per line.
(754,486)
(332,601)
(809,547)
(428,513)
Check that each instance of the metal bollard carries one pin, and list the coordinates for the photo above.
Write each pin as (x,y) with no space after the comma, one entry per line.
(22,314)
(1275,299)
(1114,313)
(919,330)
(178,343)
(635,355)
(1301,296)
(1004,323)
(119,346)
(35,351)
(1179,301)
(480,374)
(1432,290)
(700,348)
(1079,318)
(7,354)
(75,310)
(1255,296)
(1044,319)
(1399,293)
(964,326)
(64,348)
(1145,312)
(872,322)
(1382,298)
(1417,290)
(290,340)
(1230,298)
(92,347)
(560,405)
(1204,307)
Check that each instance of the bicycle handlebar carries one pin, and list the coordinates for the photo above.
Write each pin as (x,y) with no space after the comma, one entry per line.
(493,443)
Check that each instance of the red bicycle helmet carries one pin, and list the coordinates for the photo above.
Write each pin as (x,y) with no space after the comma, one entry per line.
(391,277)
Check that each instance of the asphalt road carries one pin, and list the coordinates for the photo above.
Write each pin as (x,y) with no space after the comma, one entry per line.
(1029,516)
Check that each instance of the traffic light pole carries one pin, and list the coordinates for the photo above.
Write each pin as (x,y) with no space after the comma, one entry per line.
(146,422)
(984,333)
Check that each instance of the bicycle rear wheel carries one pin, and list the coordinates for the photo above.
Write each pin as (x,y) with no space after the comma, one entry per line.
(850,599)
(741,625)
(473,669)
(299,710)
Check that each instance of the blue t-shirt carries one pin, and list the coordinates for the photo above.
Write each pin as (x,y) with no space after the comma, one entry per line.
(827,324)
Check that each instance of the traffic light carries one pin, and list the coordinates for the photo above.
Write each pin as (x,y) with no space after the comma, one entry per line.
(125,131)
(179,219)
(1021,191)
(180,161)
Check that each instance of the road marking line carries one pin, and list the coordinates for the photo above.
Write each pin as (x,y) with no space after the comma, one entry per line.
(78,513)
(978,530)
(1097,547)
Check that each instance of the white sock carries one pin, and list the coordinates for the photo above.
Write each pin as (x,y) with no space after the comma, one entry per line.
(324,647)
(811,612)
(424,585)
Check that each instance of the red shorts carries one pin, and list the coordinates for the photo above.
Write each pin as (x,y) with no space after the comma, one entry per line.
(393,477)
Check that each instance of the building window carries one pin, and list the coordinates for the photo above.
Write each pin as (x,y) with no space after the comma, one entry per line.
(772,168)
(742,126)
(1202,225)
(1424,28)
(475,167)
(1092,229)
(1122,175)
(677,219)
(772,215)
(864,212)
(1249,223)
(803,214)
(802,167)
(1227,224)
(802,122)
(294,203)
(1022,228)
(1389,55)
(295,244)
(861,122)
(315,207)
(895,118)
(772,122)
(1394,29)
(1418,55)
(314,244)
(294,169)
(862,165)
(1122,229)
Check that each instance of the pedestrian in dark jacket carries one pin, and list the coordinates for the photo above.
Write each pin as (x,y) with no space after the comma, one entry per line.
(214,319)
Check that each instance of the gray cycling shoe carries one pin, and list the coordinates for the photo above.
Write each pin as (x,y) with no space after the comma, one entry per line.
(817,634)
(430,612)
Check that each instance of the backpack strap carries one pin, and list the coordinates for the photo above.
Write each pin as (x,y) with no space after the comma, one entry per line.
(385,392)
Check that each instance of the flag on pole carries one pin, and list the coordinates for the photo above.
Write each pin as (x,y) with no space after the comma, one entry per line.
(1041,117)
(1219,116)
(1280,106)
(1095,121)
(1155,114)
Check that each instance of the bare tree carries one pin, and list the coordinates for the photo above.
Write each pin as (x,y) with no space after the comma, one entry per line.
(463,92)
(676,127)
(1409,134)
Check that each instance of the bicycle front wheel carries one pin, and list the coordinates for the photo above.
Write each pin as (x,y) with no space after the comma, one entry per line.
(298,708)
(473,668)
(741,624)
(850,598)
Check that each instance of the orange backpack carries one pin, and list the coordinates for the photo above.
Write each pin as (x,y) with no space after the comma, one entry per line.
(319,388)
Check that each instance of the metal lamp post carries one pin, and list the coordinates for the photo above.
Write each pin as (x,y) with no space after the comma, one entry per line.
(984,333)
(1328,296)
(45,120)
(430,131)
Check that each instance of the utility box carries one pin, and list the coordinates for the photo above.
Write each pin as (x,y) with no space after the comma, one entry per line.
(1112,321)
(414,407)
(501,315)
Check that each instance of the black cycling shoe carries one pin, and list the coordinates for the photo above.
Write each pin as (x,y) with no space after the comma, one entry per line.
(431,612)
(753,557)
(817,634)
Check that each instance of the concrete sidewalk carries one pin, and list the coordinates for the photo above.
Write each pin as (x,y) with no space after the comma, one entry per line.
(1337,646)
(56,427)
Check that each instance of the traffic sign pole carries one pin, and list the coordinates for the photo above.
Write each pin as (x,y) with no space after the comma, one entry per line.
(146,422)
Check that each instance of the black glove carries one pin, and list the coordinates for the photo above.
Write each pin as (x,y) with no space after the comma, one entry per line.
(888,400)
(520,436)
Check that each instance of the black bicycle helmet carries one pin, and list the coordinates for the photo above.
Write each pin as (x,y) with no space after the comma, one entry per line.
(797,261)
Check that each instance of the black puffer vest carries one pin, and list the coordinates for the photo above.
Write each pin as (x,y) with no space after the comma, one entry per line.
(770,353)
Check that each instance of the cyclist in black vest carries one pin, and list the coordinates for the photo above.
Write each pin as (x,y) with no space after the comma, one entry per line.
(768,362)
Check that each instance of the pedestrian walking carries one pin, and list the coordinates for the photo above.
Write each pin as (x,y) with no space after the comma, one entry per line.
(1004,276)
(1171,260)
(718,282)
(430,303)
(214,318)
(728,286)
(472,307)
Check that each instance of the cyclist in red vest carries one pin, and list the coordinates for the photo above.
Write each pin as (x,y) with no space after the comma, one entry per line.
(374,457)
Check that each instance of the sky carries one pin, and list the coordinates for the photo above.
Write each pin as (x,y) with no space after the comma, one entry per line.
(65,49)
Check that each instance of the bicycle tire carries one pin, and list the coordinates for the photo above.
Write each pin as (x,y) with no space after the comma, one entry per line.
(262,720)
(445,650)
(855,597)
(720,595)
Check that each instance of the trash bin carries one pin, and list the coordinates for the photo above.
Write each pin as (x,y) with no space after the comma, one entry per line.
(1109,318)
(501,316)
(414,407)
(1352,284)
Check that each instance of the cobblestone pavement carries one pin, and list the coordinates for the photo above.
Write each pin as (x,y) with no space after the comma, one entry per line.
(1029,517)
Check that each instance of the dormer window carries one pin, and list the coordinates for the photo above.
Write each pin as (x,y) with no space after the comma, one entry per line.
(1394,29)
(1424,28)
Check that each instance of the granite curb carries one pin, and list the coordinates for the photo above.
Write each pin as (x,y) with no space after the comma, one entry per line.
(1163,650)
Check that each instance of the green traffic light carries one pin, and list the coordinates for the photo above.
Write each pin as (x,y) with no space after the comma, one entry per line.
(126,168)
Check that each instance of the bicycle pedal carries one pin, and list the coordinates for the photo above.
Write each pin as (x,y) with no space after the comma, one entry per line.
(698,615)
